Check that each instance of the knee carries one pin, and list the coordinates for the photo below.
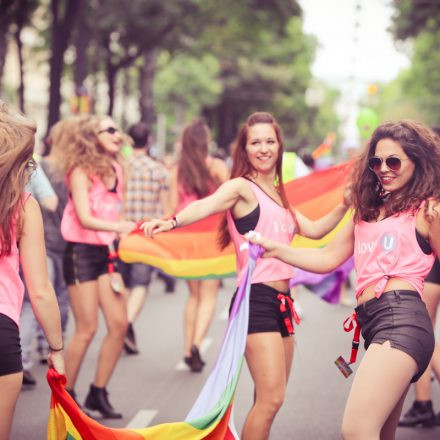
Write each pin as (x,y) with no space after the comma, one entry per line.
(87,333)
(272,404)
(353,429)
(119,327)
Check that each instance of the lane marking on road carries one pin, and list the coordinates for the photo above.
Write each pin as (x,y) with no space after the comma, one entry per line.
(181,366)
(142,419)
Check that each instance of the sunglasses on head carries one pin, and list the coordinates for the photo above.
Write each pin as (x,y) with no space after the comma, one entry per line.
(111,130)
(392,162)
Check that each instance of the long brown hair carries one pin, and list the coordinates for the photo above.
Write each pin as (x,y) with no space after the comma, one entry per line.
(17,139)
(192,170)
(422,147)
(75,143)
(242,167)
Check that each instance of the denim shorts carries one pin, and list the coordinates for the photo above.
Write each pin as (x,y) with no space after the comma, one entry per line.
(135,274)
(85,262)
(265,310)
(399,316)
(10,350)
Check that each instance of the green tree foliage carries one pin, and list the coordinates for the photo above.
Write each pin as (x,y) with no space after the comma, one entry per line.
(419,23)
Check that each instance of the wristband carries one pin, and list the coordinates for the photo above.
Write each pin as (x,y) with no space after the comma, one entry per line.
(175,220)
(56,349)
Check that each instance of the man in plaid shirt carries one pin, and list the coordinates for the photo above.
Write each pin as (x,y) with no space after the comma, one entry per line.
(146,196)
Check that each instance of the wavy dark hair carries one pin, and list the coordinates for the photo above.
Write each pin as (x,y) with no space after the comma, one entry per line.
(422,147)
(17,138)
(242,167)
(192,170)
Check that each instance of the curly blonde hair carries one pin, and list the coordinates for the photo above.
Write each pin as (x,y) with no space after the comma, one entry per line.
(17,139)
(75,143)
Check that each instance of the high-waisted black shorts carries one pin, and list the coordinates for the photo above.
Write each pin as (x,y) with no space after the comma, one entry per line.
(399,316)
(10,350)
(85,262)
(269,310)
(434,275)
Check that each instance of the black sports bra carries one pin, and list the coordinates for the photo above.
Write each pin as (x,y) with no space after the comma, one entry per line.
(248,222)
(423,243)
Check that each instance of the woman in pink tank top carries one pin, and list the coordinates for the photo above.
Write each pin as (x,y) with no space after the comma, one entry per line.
(88,156)
(21,242)
(253,199)
(394,236)
(196,175)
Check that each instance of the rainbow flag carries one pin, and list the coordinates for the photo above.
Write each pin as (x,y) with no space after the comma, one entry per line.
(211,415)
(192,252)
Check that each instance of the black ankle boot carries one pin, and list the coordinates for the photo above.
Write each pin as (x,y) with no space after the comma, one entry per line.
(197,362)
(420,414)
(97,400)
(72,394)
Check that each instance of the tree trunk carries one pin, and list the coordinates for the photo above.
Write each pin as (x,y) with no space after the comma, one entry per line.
(62,26)
(3,51)
(82,39)
(146,79)
(17,36)
(112,71)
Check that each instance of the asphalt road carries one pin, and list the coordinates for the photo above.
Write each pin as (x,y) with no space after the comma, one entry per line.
(155,386)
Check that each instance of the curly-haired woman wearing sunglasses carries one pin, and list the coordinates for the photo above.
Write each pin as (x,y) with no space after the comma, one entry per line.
(91,222)
(395,236)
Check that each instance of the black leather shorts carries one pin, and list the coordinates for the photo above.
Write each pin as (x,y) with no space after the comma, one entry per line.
(10,350)
(269,310)
(434,275)
(399,316)
(85,262)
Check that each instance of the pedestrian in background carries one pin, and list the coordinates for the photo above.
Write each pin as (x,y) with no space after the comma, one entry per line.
(196,175)
(146,196)
(90,225)
(21,241)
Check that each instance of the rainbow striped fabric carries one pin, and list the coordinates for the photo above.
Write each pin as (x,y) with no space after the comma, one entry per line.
(211,415)
(192,252)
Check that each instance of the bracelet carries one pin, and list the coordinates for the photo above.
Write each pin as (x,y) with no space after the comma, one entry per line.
(56,349)
(174,217)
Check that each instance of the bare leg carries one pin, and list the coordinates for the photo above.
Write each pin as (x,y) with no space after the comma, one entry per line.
(208,290)
(135,302)
(378,389)
(113,306)
(84,304)
(268,356)
(10,386)
(190,315)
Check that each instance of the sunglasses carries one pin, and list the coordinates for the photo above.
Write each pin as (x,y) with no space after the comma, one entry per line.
(111,130)
(392,162)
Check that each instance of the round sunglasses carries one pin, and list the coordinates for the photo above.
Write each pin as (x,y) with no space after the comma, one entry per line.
(392,162)
(111,130)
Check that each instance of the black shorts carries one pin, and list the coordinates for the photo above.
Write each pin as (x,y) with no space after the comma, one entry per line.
(434,275)
(269,310)
(135,274)
(86,262)
(10,350)
(399,316)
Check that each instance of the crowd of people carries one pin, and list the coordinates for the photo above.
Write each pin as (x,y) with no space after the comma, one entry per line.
(63,216)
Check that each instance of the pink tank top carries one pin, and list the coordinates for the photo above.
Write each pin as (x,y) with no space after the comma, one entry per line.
(389,249)
(11,285)
(276,223)
(185,198)
(104,204)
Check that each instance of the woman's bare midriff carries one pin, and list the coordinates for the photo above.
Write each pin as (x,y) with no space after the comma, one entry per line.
(392,284)
(281,286)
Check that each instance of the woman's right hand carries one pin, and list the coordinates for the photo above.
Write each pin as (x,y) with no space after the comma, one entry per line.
(125,227)
(269,245)
(156,225)
(55,359)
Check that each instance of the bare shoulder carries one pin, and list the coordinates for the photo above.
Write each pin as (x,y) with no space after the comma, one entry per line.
(31,215)
(432,210)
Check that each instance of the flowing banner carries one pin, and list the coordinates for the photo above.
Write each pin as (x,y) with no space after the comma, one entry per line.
(211,415)
(192,252)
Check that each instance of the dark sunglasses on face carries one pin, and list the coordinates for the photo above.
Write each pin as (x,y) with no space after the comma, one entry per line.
(392,162)
(111,130)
